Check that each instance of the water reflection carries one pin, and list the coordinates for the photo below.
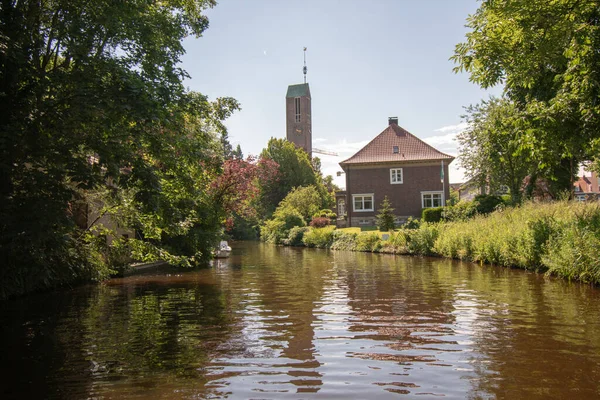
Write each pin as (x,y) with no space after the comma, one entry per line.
(274,322)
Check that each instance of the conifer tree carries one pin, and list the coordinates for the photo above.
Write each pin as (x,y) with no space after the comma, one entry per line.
(385,218)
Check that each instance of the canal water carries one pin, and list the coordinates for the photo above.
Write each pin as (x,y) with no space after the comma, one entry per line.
(289,323)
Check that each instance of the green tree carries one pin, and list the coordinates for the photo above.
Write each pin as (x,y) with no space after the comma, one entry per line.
(545,54)
(95,107)
(295,170)
(306,200)
(490,148)
(385,217)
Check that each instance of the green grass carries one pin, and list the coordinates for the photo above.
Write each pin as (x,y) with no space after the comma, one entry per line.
(370,229)
(559,238)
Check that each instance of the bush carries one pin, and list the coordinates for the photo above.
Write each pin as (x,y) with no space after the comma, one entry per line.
(319,237)
(320,222)
(433,214)
(368,242)
(305,200)
(295,236)
(325,213)
(343,240)
(486,203)
(422,241)
(462,211)
(412,223)
(278,228)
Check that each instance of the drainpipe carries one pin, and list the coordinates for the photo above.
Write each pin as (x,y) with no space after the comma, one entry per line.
(349,204)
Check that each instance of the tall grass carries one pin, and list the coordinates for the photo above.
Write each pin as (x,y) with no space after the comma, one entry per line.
(560,238)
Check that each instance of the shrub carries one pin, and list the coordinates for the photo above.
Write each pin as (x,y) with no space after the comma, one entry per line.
(319,237)
(325,213)
(486,203)
(295,236)
(462,211)
(412,223)
(320,222)
(343,240)
(432,214)
(305,200)
(385,218)
(368,242)
(278,228)
(422,240)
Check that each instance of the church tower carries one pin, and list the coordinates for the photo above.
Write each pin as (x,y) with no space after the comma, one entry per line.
(298,118)
(298,121)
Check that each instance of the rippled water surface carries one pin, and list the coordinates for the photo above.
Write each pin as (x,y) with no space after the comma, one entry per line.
(277,323)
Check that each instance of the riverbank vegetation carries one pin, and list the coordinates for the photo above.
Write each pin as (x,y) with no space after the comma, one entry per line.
(559,238)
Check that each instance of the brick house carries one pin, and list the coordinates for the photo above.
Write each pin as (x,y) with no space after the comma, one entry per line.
(587,188)
(400,166)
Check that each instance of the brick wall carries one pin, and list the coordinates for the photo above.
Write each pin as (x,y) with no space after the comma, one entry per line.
(304,139)
(404,197)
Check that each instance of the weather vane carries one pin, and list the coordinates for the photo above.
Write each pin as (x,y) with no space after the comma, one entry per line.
(304,69)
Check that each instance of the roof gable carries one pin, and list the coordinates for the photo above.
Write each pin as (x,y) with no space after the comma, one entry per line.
(382,148)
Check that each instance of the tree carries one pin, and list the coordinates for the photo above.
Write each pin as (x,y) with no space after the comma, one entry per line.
(545,54)
(306,200)
(385,217)
(237,153)
(490,148)
(295,170)
(98,109)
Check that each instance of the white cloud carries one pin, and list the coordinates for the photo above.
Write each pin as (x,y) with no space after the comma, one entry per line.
(320,140)
(330,164)
(453,128)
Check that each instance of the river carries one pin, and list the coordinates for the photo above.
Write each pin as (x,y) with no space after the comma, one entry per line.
(288,323)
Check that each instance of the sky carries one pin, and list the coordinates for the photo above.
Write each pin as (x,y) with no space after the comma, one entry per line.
(367,61)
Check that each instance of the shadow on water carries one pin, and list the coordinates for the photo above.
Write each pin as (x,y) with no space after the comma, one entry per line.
(283,322)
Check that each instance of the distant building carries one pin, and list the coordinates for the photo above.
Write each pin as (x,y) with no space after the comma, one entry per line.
(397,164)
(298,116)
(587,188)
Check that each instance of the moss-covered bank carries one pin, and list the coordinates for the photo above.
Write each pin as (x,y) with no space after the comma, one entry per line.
(561,238)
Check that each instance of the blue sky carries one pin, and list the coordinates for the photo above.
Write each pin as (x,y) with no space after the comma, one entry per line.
(367,60)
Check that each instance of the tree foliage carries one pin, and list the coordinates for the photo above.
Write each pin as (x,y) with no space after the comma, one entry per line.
(545,54)
(490,148)
(385,217)
(94,108)
(295,170)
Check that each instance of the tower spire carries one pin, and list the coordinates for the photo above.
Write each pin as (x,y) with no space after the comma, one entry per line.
(304,69)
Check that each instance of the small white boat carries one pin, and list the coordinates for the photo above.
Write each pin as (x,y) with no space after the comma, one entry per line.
(223,250)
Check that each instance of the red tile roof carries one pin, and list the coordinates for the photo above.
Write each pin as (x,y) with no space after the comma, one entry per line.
(410,148)
(584,184)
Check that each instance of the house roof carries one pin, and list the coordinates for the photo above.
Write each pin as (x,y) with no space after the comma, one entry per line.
(584,184)
(382,148)
(299,90)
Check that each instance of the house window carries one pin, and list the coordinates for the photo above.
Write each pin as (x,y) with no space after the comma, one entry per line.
(431,199)
(396,150)
(341,207)
(297,104)
(363,202)
(396,175)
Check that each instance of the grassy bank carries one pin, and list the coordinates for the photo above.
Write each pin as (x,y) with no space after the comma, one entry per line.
(561,239)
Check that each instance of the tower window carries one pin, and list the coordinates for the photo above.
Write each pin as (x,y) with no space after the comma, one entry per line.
(297,104)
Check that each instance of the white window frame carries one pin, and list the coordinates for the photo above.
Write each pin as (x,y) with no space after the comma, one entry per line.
(392,176)
(363,195)
(297,108)
(341,207)
(431,193)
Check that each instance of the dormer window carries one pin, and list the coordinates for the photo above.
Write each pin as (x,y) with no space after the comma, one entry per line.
(396,150)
